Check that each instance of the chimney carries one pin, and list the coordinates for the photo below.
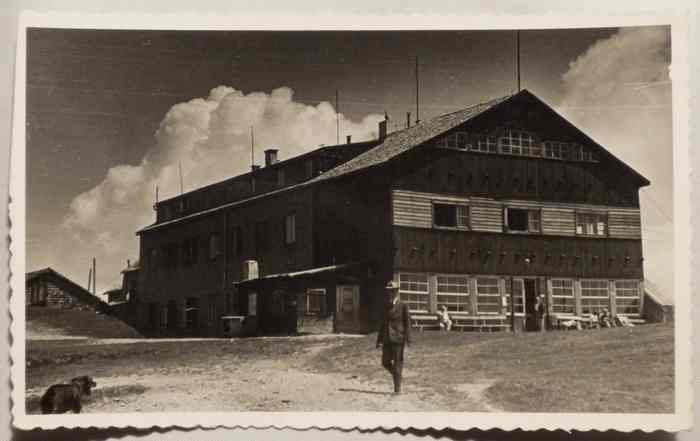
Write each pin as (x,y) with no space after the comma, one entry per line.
(254,168)
(408,119)
(382,129)
(383,126)
(348,139)
(270,157)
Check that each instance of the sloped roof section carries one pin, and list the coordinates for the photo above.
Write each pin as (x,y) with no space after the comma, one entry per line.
(75,289)
(399,142)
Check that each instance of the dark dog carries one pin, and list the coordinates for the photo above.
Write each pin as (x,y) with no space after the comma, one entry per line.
(61,398)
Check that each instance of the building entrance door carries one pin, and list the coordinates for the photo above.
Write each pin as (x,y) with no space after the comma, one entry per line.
(347,308)
(530,302)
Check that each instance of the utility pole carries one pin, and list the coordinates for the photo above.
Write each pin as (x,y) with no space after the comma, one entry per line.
(94,276)
(252,147)
(417,94)
(337,119)
(517,56)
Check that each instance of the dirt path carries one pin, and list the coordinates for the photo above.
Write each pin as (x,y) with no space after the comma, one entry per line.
(281,384)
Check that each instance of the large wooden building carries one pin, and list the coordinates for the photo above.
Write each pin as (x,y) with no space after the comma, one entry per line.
(499,201)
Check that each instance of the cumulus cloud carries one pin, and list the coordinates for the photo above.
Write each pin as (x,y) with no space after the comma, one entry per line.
(210,138)
(619,92)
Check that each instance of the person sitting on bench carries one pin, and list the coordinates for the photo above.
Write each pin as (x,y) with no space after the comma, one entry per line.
(444,319)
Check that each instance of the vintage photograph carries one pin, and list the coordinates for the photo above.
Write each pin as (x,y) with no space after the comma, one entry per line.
(475,221)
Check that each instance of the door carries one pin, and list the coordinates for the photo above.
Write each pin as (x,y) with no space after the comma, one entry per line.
(530,302)
(347,308)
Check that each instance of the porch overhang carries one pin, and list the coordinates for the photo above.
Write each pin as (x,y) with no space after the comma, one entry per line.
(323,273)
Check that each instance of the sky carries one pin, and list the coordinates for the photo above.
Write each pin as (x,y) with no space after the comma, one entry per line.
(112,114)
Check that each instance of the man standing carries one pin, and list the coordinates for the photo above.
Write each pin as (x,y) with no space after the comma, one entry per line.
(394,334)
(540,310)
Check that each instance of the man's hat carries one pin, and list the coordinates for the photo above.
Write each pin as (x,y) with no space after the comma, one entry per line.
(391,285)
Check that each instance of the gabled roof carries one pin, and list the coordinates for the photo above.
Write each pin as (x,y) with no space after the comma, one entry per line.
(76,290)
(399,142)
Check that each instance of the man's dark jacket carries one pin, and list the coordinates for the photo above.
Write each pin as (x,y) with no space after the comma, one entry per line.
(396,325)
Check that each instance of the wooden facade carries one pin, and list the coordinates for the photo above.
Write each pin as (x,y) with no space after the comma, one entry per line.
(462,210)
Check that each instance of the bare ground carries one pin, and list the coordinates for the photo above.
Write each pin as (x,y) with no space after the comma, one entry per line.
(265,384)
(621,370)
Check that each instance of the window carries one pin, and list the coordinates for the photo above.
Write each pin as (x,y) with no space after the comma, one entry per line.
(453,292)
(290,229)
(260,237)
(280,177)
(576,152)
(252,304)
(192,312)
(153,259)
(563,301)
(315,301)
(519,288)
(214,245)
(488,296)
(277,304)
(236,241)
(413,290)
(211,316)
(594,296)
(523,220)
(518,143)
(189,251)
(556,150)
(457,140)
(627,296)
(450,215)
(591,224)
(487,144)
(163,317)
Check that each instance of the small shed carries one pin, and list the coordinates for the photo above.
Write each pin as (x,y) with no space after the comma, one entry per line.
(49,288)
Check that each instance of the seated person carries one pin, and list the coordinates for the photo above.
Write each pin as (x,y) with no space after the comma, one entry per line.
(605,319)
(444,319)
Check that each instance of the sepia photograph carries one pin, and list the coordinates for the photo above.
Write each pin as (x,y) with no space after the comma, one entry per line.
(354,221)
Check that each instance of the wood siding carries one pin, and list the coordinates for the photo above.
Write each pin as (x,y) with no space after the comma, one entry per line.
(468,252)
(414,209)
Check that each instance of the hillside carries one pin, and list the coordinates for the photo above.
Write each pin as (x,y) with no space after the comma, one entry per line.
(51,323)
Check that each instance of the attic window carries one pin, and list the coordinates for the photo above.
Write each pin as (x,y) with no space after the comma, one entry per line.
(457,140)
(487,144)
(516,142)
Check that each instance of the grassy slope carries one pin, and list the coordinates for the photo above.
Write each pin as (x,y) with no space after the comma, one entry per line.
(72,322)
(608,370)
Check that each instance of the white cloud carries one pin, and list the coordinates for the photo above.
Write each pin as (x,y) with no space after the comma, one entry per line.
(210,137)
(619,92)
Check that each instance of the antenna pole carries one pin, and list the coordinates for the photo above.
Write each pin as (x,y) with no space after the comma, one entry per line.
(252,147)
(90,280)
(179,166)
(517,56)
(417,94)
(94,276)
(337,119)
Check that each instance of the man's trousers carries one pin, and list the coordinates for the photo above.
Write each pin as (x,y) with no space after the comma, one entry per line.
(392,360)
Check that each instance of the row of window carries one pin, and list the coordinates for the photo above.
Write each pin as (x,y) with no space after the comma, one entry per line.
(520,143)
(524,220)
(454,292)
(186,253)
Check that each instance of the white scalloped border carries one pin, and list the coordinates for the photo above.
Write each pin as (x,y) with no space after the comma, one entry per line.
(680,420)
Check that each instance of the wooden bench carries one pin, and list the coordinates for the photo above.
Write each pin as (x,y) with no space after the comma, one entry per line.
(484,323)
